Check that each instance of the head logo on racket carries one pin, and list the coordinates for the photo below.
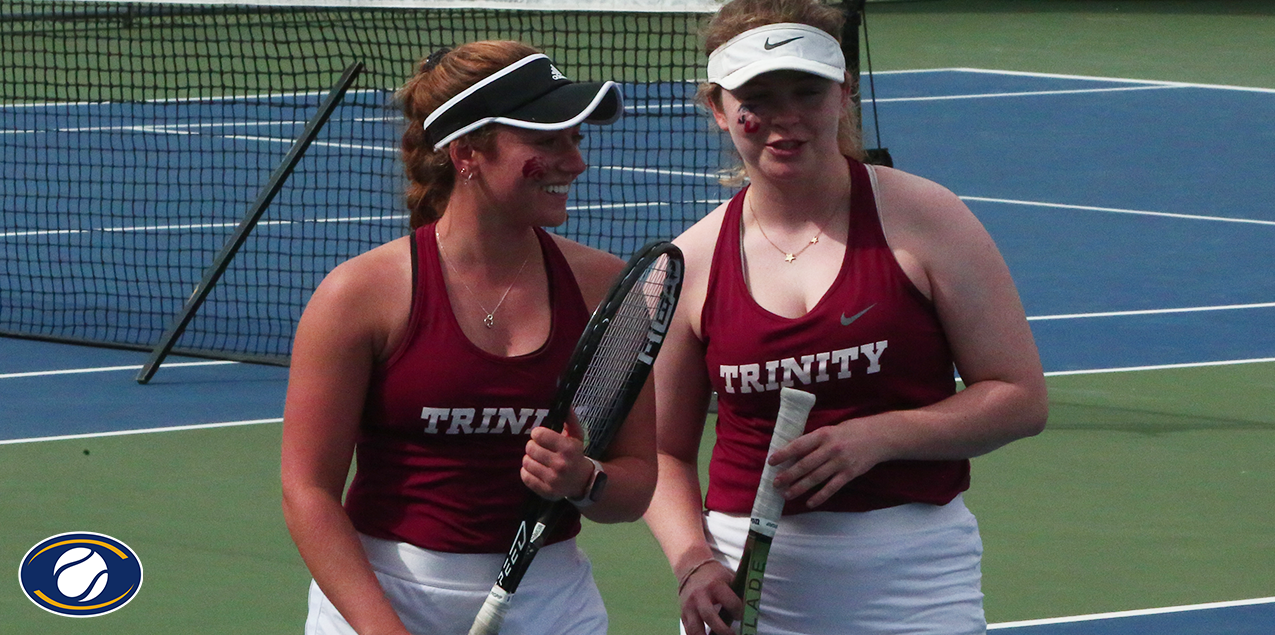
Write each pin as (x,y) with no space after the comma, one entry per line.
(663,311)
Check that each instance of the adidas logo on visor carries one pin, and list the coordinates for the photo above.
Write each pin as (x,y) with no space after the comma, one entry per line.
(531,94)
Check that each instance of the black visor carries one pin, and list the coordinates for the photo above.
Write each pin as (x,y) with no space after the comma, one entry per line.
(529,93)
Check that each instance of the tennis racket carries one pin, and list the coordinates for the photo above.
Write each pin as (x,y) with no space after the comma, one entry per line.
(794,407)
(603,378)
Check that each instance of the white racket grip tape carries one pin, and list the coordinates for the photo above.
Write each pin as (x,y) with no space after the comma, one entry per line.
(492,614)
(794,407)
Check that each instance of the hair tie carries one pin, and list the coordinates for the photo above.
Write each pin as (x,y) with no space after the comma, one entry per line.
(434,58)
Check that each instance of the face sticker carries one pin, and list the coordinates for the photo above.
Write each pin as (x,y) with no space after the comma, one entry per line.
(749,120)
(533,169)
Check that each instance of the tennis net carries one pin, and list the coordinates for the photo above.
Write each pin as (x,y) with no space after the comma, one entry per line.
(134,137)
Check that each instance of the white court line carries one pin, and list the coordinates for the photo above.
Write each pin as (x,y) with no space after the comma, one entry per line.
(1117,210)
(108,369)
(150,228)
(702,175)
(1132,369)
(646,204)
(1031,93)
(136,228)
(179,128)
(356,219)
(1092,78)
(44,232)
(1100,79)
(190,128)
(354,146)
(573,208)
(263,97)
(1135,613)
(1194,309)
(117,433)
(673,105)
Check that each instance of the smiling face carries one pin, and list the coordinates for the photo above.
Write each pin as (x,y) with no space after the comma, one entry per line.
(529,172)
(784,123)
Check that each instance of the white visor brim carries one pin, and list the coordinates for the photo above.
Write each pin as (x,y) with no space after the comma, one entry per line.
(776,47)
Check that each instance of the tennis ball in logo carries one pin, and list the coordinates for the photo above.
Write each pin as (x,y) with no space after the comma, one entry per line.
(80,574)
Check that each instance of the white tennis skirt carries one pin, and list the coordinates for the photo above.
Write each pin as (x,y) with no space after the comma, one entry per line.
(439,593)
(911,569)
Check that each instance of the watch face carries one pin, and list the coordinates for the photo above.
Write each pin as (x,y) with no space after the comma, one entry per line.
(599,484)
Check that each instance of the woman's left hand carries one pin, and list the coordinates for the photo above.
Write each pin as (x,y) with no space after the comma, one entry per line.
(554,465)
(831,456)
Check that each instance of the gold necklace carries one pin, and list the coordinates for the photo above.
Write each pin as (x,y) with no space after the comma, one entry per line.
(789,257)
(490,319)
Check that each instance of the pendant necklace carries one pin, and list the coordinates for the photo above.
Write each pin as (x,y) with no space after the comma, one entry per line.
(789,256)
(490,319)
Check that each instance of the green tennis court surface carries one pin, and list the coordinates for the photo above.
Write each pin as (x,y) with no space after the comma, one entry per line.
(1149,489)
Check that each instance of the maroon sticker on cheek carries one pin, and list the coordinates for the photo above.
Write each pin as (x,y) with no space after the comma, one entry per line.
(533,169)
(748,119)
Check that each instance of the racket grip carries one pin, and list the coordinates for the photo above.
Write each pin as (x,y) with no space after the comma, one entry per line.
(726,617)
(790,423)
(492,614)
(741,578)
(736,585)
(794,407)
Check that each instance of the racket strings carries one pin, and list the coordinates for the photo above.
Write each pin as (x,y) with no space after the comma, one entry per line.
(598,400)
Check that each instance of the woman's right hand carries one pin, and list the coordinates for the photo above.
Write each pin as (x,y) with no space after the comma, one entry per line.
(704,594)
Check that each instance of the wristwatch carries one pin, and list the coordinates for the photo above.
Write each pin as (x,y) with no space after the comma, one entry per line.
(597,484)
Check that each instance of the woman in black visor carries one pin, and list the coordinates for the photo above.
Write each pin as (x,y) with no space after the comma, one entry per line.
(433,360)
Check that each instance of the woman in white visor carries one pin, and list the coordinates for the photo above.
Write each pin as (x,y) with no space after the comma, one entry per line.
(867,287)
(434,358)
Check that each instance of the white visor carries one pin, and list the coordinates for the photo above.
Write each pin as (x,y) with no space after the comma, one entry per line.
(776,47)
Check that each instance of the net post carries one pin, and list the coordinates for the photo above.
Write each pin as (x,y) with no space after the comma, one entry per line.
(275,183)
(853,10)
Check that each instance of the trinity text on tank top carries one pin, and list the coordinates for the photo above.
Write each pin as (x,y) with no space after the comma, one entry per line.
(446,424)
(872,344)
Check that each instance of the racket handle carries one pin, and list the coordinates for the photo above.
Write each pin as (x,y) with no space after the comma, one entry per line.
(736,585)
(726,617)
(768,506)
(492,615)
(790,423)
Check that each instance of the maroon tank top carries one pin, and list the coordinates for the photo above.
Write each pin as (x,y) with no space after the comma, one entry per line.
(872,344)
(446,424)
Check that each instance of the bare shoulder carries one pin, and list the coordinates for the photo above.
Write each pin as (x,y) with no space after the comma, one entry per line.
(698,243)
(594,269)
(378,271)
(922,218)
(366,298)
(915,199)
